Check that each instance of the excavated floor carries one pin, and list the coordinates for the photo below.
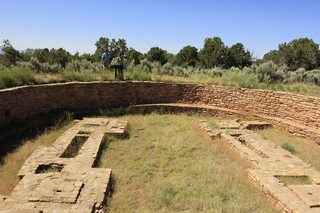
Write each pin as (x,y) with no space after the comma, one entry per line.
(270,164)
(52,180)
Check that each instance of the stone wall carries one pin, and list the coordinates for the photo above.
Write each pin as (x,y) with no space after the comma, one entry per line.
(26,102)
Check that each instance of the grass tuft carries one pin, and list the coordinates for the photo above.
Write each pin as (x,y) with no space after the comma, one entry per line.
(287,146)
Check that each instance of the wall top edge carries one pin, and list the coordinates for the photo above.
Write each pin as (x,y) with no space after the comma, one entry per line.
(11,89)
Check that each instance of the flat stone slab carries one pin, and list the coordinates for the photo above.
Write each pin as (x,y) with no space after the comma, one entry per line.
(310,194)
(269,162)
(52,181)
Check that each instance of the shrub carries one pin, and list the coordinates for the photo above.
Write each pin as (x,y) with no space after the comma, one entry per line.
(44,67)
(287,146)
(244,82)
(74,66)
(167,69)
(266,72)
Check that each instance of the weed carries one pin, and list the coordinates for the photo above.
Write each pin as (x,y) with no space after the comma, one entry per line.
(287,146)
(294,180)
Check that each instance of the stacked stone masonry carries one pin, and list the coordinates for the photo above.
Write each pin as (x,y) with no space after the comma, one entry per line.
(53,182)
(294,112)
(270,162)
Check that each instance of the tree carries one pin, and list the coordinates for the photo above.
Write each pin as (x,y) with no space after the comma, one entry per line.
(273,55)
(305,54)
(114,47)
(187,56)
(43,55)
(134,55)
(213,52)
(157,54)
(11,55)
(59,56)
(101,44)
(27,55)
(298,53)
(237,56)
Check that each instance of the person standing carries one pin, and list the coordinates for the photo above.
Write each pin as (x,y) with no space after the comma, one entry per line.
(106,59)
(120,63)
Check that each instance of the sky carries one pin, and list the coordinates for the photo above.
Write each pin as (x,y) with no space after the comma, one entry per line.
(260,25)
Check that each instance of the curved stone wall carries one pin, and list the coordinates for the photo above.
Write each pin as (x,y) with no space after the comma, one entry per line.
(22,103)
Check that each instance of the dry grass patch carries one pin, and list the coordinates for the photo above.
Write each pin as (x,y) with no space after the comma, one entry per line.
(305,149)
(168,165)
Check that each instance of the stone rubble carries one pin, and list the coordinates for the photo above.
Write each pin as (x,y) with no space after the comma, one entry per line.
(53,182)
(269,162)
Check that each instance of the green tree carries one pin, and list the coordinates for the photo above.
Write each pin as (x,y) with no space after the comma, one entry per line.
(134,55)
(101,45)
(170,57)
(305,54)
(114,47)
(157,54)
(59,56)
(187,56)
(11,55)
(237,56)
(43,55)
(298,53)
(273,55)
(213,52)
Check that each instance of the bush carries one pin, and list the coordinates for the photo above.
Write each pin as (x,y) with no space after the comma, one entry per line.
(244,82)
(266,72)
(44,67)
(287,146)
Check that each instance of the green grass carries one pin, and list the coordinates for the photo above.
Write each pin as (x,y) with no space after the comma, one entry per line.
(287,146)
(294,180)
(168,164)
(16,77)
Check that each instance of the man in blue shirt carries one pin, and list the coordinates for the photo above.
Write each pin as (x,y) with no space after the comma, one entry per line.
(106,59)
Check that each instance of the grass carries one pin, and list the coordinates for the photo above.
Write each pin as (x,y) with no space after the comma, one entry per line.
(12,162)
(306,150)
(74,147)
(168,165)
(16,77)
(294,180)
(287,146)
(22,76)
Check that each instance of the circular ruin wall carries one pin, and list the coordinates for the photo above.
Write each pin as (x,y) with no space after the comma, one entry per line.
(297,113)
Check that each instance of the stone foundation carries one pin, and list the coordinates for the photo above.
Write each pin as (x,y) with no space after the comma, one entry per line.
(52,181)
(269,163)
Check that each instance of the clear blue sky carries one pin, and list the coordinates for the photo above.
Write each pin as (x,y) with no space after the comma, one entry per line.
(260,25)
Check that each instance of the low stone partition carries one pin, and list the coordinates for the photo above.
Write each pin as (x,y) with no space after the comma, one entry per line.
(274,171)
(23,103)
(64,177)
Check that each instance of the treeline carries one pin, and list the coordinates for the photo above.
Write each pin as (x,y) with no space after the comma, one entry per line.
(293,62)
(299,53)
